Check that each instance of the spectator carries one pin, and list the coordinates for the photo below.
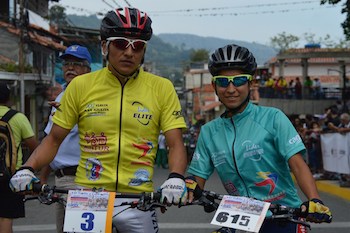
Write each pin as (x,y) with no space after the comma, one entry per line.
(298,88)
(281,87)
(76,61)
(162,153)
(308,84)
(317,89)
(290,91)
(314,149)
(254,91)
(12,204)
(343,127)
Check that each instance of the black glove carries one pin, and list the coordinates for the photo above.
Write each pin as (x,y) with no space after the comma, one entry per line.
(207,201)
(192,186)
(316,211)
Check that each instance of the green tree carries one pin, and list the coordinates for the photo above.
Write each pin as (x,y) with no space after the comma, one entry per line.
(326,41)
(284,41)
(57,15)
(200,55)
(345,10)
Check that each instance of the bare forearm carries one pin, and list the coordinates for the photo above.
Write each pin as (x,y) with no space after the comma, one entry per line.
(304,178)
(177,160)
(43,154)
(44,174)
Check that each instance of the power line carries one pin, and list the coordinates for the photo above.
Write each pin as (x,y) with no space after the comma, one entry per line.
(214,13)
(235,7)
(127,3)
(247,13)
(113,7)
(118,6)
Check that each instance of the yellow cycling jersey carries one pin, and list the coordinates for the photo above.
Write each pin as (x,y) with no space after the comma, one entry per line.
(119,127)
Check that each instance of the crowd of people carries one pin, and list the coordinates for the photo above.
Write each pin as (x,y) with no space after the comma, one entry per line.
(270,87)
(336,119)
(126,115)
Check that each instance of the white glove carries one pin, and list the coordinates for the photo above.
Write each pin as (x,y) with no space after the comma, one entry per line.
(23,180)
(174,190)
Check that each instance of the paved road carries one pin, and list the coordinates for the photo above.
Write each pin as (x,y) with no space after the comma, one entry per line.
(40,217)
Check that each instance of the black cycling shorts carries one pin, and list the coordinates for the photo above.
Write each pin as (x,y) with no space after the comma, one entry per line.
(12,204)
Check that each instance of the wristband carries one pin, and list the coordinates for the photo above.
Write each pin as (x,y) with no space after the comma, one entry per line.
(317,201)
(176,175)
(26,167)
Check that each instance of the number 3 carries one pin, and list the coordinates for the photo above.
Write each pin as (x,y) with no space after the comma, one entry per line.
(89,225)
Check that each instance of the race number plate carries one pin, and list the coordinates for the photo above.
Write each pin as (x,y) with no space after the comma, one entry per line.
(89,211)
(240,213)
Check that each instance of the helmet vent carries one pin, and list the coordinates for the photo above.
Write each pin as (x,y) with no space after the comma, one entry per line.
(222,55)
(229,52)
(238,51)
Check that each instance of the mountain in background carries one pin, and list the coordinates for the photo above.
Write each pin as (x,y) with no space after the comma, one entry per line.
(261,52)
(170,52)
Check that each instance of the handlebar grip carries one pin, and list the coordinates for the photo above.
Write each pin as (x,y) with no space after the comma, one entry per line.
(37,187)
(157,196)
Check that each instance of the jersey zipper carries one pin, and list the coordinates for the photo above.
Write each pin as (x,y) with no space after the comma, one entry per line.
(120,134)
(234,158)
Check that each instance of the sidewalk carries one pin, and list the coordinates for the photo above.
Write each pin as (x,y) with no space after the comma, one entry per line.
(333,187)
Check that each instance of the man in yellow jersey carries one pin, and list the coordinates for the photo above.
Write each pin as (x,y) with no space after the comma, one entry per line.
(120,111)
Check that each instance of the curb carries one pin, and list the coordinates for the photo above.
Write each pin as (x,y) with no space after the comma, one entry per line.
(332,187)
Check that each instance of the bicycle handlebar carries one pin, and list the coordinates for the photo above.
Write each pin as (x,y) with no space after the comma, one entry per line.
(150,200)
(145,201)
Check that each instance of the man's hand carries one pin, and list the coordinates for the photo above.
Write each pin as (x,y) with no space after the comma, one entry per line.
(316,211)
(194,191)
(23,180)
(174,190)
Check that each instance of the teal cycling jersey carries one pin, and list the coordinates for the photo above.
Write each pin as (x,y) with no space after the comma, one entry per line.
(250,152)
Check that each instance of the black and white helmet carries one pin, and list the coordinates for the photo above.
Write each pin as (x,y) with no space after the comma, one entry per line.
(232,57)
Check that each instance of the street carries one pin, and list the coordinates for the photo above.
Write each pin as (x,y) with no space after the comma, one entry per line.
(41,217)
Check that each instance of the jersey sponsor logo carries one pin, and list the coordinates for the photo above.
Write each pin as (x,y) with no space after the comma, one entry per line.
(142,114)
(93,168)
(145,146)
(231,188)
(177,114)
(93,109)
(218,158)
(252,151)
(97,143)
(196,156)
(295,139)
(141,176)
(269,179)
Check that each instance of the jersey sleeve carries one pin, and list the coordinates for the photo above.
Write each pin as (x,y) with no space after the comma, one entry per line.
(201,164)
(67,114)
(287,140)
(171,117)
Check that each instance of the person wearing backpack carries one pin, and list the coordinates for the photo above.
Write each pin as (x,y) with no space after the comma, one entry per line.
(12,205)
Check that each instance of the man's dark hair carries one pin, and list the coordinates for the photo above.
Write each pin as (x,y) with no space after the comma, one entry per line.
(4,93)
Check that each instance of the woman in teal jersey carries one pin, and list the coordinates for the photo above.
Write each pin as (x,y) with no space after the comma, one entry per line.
(253,148)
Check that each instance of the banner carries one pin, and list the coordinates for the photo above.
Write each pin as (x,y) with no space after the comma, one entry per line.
(336,152)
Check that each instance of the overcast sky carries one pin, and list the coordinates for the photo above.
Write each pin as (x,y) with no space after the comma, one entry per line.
(247,20)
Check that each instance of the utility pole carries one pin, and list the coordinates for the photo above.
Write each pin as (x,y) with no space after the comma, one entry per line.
(21,54)
(343,72)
